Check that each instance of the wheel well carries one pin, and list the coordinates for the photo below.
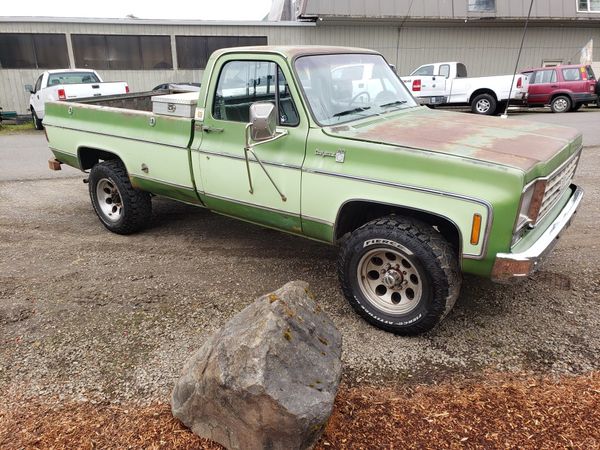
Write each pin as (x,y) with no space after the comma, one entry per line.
(483,91)
(561,94)
(354,214)
(89,157)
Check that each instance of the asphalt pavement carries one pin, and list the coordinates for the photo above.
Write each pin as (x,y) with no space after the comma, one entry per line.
(24,156)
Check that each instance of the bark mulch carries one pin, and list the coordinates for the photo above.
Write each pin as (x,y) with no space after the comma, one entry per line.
(497,411)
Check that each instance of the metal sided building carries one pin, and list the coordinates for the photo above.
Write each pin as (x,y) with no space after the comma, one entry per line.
(484,34)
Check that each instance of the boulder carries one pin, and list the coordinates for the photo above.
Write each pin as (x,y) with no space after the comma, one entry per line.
(267,379)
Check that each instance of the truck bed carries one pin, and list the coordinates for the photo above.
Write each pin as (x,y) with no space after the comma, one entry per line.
(138,101)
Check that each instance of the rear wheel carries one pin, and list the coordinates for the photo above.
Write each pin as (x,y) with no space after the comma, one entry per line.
(121,208)
(484,104)
(399,274)
(560,104)
(37,123)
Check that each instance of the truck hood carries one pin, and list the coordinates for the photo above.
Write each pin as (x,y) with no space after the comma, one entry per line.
(509,142)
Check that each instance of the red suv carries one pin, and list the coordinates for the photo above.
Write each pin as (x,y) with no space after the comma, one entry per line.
(564,88)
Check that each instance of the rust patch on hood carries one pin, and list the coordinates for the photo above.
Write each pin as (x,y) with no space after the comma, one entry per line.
(515,143)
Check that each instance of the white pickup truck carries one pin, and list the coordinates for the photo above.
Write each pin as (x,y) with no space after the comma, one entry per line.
(69,84)
(446,83)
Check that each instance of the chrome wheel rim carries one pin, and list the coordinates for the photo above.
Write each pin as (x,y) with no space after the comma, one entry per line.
(483,105)
(560,104)
(109,200)
(389,279)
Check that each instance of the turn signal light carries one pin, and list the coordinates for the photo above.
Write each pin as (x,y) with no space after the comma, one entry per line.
(476,229)
(416,86)
(61,94)
(519,83)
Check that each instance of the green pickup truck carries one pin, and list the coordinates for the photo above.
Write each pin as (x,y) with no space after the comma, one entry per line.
(327,143)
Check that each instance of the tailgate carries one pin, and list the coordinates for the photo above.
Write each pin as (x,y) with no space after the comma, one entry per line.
(74,91)
(426,86)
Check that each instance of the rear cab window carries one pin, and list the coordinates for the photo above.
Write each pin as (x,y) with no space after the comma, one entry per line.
(445,70)
(72,78)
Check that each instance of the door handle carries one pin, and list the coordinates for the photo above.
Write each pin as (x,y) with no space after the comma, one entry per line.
(554,85)
(209,129)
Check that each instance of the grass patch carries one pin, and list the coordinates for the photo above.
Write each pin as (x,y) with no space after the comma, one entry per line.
(6,128)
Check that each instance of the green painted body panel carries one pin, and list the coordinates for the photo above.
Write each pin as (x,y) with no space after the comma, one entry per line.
(186,195)
(446,164)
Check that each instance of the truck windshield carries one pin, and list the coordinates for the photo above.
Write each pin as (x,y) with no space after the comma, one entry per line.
(72,78)
(345,87)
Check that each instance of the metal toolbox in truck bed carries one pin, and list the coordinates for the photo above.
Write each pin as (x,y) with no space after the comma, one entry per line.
(179,105)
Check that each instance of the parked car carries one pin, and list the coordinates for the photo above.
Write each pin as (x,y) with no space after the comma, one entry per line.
(178,87)
(412,196)
(564,88)
(446,83)
(68,84)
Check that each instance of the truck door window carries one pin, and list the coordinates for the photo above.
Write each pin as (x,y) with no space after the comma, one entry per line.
(288,114)
(242,83)
(461,71)
(38,83)
(445,70)
(423,70)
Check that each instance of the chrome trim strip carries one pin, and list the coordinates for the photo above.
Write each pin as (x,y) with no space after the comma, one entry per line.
(540,248)
(251,205)
(241,158)
(119,137)
(484,203)
(156,180)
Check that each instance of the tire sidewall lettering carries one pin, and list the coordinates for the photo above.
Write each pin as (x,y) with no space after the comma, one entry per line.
(395,244)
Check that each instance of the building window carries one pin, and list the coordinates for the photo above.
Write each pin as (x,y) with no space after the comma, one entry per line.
(482,5)
(33,51)
(122,52)
(588,5)
(193,51)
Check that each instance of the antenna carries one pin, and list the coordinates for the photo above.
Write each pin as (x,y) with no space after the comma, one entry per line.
(505,115)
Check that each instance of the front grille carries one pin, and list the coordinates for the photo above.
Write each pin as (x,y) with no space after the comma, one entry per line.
(556,185)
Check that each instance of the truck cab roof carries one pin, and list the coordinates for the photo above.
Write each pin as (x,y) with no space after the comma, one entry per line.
(293,51)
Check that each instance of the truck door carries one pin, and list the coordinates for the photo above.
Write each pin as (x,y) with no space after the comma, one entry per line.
(541,85)
(274,199)
(36,101)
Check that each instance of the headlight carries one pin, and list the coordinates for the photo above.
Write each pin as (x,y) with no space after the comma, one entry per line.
(531,202)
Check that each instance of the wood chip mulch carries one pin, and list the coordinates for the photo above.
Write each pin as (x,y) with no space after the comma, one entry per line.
(498,411)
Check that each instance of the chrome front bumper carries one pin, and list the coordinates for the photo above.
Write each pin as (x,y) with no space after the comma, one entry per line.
(516,266)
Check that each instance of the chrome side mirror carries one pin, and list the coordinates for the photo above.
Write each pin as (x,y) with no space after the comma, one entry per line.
(263,121)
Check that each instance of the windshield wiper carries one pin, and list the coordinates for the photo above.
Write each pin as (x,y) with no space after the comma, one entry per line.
(396,103)
(352,111)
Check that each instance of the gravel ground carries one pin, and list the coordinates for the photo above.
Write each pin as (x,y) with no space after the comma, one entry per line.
(87,314)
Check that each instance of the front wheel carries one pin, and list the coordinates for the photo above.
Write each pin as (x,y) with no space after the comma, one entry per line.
(120,207)
(400,275)
(37,123)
